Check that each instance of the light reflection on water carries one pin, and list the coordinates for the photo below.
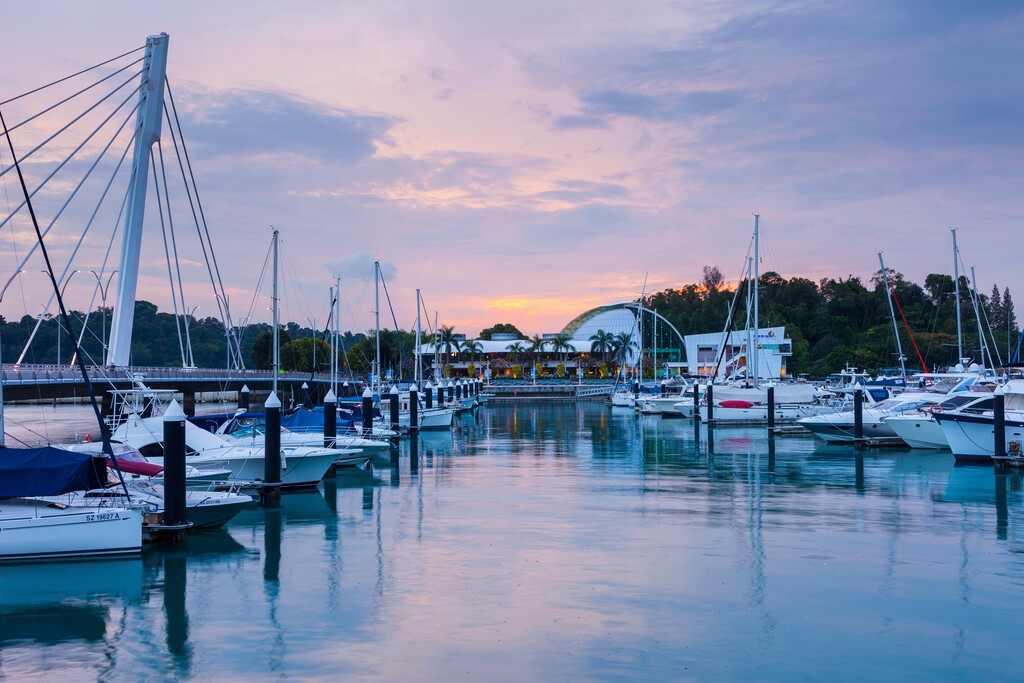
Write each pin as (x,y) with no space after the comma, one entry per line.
(564,542)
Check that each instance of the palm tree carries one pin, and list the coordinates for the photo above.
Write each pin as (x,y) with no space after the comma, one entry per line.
(472,347)
(515,350)
(537,344)
(601,342)
(562,343)
(446,340)
(622,343)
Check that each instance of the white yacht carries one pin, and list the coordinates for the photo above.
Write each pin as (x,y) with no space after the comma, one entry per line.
(919,429)
(971,435)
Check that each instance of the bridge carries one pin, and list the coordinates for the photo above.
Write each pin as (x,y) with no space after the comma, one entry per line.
(46,382)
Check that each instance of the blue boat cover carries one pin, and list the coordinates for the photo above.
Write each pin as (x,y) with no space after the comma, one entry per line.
(48,471)
(306,420)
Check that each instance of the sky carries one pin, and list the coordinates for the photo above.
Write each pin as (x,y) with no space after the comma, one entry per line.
(522,162)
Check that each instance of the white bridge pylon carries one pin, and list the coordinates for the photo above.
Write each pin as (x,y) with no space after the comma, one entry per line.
(150,114)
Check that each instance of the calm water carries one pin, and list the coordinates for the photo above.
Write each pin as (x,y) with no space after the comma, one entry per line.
(564,542)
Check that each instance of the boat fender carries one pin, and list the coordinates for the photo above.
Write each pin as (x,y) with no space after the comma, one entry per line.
(733,403)
(935,409)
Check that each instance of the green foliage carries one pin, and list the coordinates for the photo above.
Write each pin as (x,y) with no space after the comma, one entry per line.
(471,370)
(517,371)
(560,370)
(602,370)
(501,328)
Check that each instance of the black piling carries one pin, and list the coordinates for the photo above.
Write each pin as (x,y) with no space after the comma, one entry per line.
(999,426)
(393,401)
(271,489)
(771,409)
(710,395)
(428,395)
(858,415)
(414,408)
(175,512)
(367,413)
(696,402)
(305,395)
(440,395)
(330,420)
(243,398)
(458,391)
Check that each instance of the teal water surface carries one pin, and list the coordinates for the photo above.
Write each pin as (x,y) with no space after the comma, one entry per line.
(563,542)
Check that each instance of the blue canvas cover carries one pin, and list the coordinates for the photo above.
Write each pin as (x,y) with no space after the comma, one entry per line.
(48,471)
(305,420)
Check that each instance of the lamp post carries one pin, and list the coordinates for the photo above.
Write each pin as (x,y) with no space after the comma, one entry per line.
(103,297)
(62,290)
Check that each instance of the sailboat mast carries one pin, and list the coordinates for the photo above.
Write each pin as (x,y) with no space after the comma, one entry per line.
(276,364)
(376,320)
(419,356)
(750,341)
(956,299)
(892,314)
(757,326)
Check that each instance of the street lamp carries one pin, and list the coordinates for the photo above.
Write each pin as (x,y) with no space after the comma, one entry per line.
(103,296)
(62,290)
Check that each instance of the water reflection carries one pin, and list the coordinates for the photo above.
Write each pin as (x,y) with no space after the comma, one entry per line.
(571,542)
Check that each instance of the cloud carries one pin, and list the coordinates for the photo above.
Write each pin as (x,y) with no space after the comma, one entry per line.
(660,107)
(359,267)
(264,123)
(579,122)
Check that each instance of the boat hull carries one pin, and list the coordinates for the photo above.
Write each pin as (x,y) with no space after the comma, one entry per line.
(33,531)
(918,431)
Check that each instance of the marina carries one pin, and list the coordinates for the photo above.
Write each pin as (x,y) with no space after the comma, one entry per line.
(564,541)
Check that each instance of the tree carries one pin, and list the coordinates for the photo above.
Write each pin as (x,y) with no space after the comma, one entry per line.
(262,349)
(601,342)
(516,349)
(537,344)
(472,347)
(562,343)
(713,279)
(446,340)
(501,328)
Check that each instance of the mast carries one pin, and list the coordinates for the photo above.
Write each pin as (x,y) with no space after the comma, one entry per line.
(419,358)
(757,326)
(654,341)
(437,350)
(376,319)
(956,284)
(276,364)
(892,314)
(750,342)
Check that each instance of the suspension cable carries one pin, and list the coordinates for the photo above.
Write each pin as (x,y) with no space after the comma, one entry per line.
(77,73)
(174,247)
(82,237)
(83,90)
(79,118)
(71,156)
(167,255)
(212,258)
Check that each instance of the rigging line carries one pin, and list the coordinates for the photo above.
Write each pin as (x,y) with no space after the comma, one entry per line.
(77,73)
(79,118)
(167,254)
(909,331)
(401,346)
(220,295)
(174,246)
(256,291)
(73,153)
(202,214)
(81,238)
(71,97)
(981,307)
(104,430)
(113,234)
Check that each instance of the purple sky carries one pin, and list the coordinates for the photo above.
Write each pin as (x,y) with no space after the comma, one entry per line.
(522,163)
